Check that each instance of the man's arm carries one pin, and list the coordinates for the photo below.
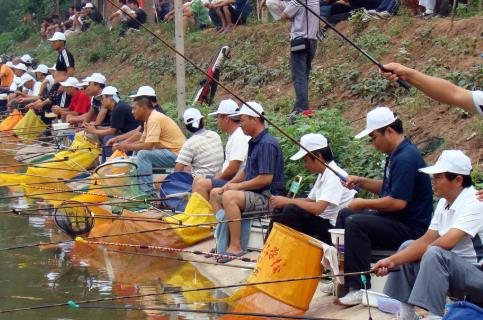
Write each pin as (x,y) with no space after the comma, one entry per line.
(257,183)
(386,204)
(412,253)
(230,171)
(315,208)
(99,132)
(136,146)
(435,88)
(100,116)
(371,185)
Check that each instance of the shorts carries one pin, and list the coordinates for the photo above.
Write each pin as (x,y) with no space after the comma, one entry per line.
(255,202)
(217,183)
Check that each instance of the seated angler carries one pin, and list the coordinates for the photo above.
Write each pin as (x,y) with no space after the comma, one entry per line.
(80,102)
(202,153)
(96,114)
(122,119)
(402,211)
(236,150)
(317,213)
(251,189)
(159,144)
(448,259)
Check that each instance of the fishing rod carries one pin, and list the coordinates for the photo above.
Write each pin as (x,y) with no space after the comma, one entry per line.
(28,164)
(60,180)
(165,249)
(198,311)
(33,195)
(180,259)
(171,291)
(232,93)
(401,82)
(179,225)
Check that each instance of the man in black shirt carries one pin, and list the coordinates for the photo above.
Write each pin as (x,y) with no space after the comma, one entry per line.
(122,119)
(65,60)
(138,17)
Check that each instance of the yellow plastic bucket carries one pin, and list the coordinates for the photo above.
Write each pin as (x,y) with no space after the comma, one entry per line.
(289,254)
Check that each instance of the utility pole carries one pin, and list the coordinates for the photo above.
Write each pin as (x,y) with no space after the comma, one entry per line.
(180,64)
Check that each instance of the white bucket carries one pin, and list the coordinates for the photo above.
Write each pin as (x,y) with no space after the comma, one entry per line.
(60,126)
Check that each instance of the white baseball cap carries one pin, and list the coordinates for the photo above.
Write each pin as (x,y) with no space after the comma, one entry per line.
(454,161)
(82,85)
(89,5)
(70,82)
(246,110)
(376,119)
(42,68)
(96,77)
(192,116)
(26,58)
(144,91)
(228,107)
(58,36)
(310,141)
(20,66)
(109,91)
(25,78)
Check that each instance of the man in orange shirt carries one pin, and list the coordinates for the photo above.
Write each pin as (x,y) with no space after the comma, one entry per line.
(6,74)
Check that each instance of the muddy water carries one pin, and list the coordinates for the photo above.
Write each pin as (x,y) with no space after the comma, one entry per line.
(32,277)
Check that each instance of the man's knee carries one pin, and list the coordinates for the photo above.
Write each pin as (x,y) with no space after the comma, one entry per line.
(405,244)
(232,197)
(435,255)
(201,183)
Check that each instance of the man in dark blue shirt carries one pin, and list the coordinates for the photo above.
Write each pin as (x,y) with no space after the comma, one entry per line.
(251,188)
(403,209)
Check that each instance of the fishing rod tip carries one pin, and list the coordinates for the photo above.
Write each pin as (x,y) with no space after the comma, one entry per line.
(81,240)
(72,304)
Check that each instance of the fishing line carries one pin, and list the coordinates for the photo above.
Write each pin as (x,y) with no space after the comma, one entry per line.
(170,291)
(28,164)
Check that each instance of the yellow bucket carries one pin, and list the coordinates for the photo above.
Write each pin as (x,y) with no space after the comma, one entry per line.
(289,254)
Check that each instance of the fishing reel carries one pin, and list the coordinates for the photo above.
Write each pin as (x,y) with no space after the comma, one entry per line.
(74,219)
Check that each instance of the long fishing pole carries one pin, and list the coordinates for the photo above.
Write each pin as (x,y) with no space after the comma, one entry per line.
(170,291)
(60,180)
(177,226)
(199,311)
(401,82)
(37,163)
(164,249)
(180,259)
(236,96)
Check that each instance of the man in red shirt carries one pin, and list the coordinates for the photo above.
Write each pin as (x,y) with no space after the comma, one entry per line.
(80,102)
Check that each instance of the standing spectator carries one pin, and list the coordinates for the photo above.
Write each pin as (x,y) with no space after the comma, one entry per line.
(65,60)
(303,37)
(137,16)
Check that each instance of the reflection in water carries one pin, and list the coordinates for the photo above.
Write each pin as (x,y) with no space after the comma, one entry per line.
(31,276)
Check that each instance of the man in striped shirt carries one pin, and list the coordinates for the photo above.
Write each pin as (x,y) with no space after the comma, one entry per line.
(65,60)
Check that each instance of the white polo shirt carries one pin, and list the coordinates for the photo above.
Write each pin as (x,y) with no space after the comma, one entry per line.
(328,188)
(236,148)
(465,214)
(478,101)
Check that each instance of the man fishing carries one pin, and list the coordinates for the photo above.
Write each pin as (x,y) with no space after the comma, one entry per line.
(403,209)
(448,258)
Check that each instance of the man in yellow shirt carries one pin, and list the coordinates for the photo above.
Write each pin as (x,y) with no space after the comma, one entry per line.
(159,145)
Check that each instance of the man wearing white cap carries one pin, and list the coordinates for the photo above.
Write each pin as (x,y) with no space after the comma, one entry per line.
(31,90)
(250,189)
(236,150)
(101,116)
(448,259)
(402,211)
(317,213)
(65,60)
(79,104)
(19,70)
(202,153)
(159,144)
(122,119)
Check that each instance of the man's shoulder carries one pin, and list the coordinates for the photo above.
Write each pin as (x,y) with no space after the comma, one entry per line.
(409,153)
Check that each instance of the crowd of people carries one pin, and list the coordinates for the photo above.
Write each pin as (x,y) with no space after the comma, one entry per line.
(440,252)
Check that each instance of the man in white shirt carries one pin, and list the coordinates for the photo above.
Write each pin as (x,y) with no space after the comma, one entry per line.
(30,91)
(447,259)
(236,150)
(317,213)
